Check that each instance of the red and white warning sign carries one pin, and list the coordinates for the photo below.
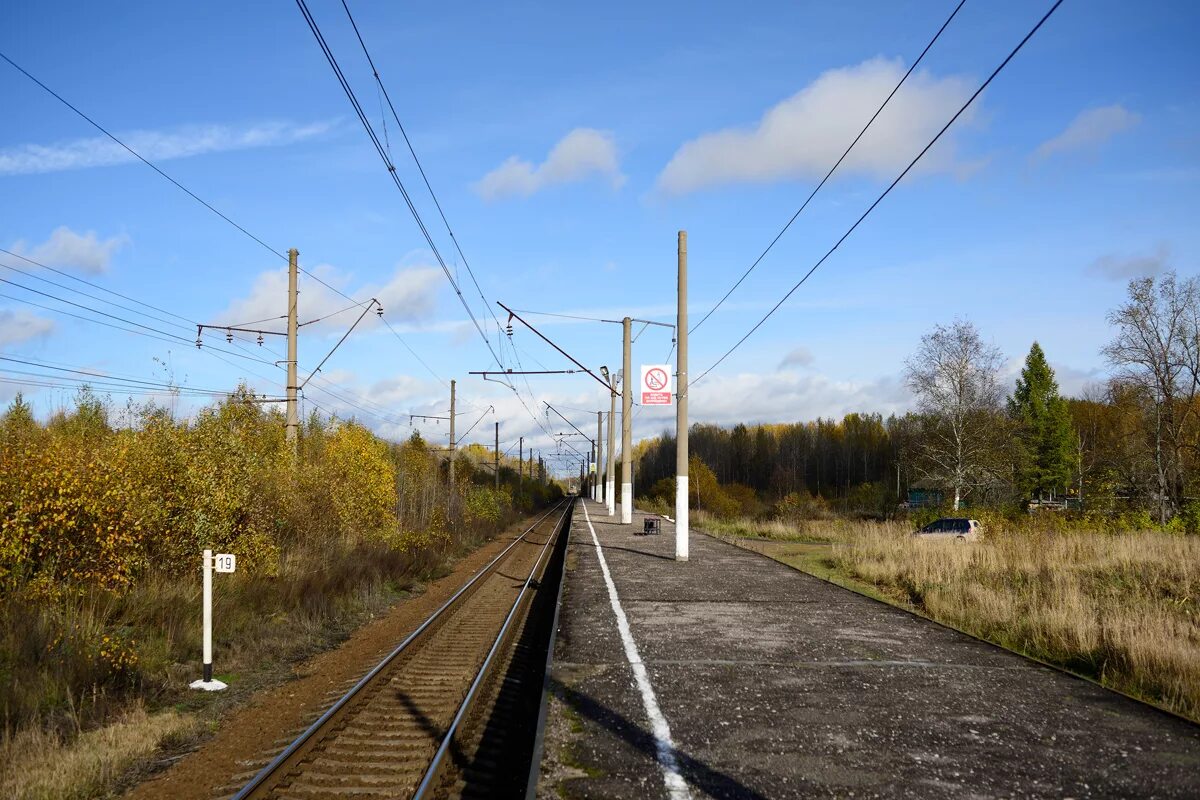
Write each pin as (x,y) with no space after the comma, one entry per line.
(656,384)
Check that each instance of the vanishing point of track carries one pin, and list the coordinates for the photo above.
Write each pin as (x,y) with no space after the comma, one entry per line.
(439,716)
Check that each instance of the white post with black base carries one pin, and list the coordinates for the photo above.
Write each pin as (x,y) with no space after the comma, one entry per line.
(221,562)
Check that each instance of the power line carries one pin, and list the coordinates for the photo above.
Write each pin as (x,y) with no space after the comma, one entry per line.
(417,161)
(95,286)
(159,170)
(561,316)
(384,154)
(139,156)
(100,376)
(107,389)
(391,168)
(407,347)
(832,169)
(885,193)
(174,338)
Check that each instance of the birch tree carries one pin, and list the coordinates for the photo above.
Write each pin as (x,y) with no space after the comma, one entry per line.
(953,375)
(1157,352)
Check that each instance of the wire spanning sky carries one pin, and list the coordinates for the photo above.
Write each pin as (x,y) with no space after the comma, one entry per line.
(566,150)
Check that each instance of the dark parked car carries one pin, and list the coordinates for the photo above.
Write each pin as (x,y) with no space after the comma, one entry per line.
(959,528)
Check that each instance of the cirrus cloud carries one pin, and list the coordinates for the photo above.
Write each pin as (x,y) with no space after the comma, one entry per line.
(580,154)
(805,134)
(181,142)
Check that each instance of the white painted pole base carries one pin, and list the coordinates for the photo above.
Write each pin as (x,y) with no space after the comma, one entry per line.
(611,500)
(626,503)
(681,518)
(208,683)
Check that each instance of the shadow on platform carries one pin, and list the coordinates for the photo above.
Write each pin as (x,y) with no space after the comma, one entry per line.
(698,774)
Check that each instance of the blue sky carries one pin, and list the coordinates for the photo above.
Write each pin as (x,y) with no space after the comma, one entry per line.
(567,147)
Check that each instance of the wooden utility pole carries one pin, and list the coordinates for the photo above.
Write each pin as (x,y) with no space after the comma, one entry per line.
(452,383)
(293,413)
(626,425)
(681,409)
(497,456)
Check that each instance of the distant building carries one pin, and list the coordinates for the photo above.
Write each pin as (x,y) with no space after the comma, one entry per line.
(923,494)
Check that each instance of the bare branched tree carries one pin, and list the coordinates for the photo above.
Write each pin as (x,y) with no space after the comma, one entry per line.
(1157,352)
(954,377)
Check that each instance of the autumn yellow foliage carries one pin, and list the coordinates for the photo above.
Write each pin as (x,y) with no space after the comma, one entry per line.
(102,526)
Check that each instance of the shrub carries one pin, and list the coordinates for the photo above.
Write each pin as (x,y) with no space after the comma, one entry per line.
(798,506)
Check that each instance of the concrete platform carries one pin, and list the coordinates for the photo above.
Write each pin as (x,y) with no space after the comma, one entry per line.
(750,679)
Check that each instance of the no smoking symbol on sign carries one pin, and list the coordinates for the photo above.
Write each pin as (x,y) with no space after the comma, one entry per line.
(656,379)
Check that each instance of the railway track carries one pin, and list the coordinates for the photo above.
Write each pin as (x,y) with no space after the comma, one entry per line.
(450,712)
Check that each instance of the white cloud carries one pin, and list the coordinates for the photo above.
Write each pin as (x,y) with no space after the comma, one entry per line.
(181,142)
(22,326)
(804,135)
(1116,267)
(1089,129)
(408,296)
(580,154)
(797,357)
(66,248)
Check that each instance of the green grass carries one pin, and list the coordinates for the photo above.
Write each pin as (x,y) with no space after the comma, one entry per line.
(816,559)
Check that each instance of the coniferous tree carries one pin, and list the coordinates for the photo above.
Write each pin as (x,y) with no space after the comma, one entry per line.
(1047,441)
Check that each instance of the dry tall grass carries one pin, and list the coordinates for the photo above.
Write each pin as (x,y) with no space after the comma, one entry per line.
(1124,609)
(39,765)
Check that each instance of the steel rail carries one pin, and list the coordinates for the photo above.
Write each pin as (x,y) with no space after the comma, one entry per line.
(427,782)
(258,780)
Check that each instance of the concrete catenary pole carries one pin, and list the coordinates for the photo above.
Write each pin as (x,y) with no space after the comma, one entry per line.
(596,490)
(497,456)
(293,413)
(452,383)
(681,410)
(610,471)
(626,425)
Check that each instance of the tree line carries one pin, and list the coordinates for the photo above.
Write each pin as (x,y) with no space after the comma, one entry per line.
(1131,443)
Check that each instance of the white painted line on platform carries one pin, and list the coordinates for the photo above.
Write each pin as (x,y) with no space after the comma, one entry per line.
(665,748)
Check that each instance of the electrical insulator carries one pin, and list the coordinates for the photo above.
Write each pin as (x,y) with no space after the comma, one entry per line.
(379,311)
(260,340)
(229,336)
(198,343)
(509,330)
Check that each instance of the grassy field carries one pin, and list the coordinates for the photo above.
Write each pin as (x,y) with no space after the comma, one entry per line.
(89,738)
(1122,609)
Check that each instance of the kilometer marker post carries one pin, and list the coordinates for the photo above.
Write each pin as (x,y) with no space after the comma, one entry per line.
(222,562)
